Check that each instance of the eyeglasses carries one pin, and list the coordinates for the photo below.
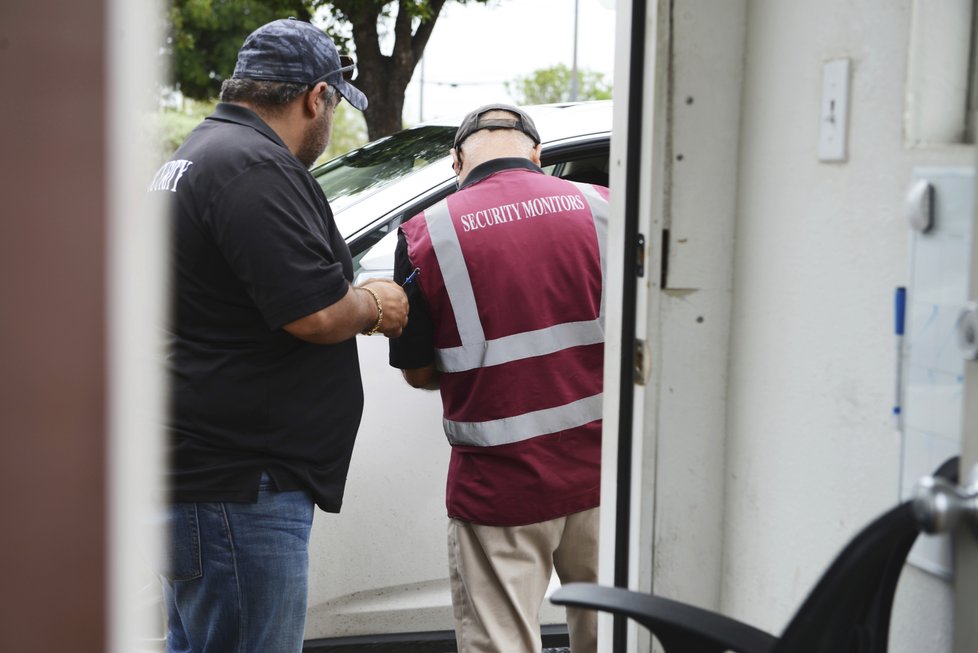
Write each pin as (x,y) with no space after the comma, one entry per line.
(347,68)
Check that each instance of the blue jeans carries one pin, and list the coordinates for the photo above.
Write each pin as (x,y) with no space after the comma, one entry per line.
(238,573)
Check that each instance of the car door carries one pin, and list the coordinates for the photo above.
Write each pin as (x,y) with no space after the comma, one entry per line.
(381,568)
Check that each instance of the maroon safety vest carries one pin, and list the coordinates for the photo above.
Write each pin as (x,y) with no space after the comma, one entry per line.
(512,273)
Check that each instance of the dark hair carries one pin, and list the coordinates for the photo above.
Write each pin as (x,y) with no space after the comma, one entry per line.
(270,96)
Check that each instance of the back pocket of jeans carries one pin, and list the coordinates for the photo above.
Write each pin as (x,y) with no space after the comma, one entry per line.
(182,559)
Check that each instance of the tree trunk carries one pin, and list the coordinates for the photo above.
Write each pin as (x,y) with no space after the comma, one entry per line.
(382,78)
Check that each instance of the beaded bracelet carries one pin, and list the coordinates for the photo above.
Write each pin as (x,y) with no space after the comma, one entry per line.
(380,313)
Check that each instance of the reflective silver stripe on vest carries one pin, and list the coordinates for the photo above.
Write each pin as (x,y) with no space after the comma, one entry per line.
(521,345)
(524,427)
(599,211)
(448,251)
(475,351)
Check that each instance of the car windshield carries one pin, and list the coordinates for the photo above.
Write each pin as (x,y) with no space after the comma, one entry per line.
(351,177)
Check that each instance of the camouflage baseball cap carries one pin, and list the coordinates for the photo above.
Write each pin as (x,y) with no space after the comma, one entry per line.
(290,50)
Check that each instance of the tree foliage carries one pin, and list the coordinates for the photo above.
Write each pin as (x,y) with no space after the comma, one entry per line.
(203,37)
(549,85)
(384,78)
(171,125)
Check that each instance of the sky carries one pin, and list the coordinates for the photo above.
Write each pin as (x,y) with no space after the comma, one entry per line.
(477,47)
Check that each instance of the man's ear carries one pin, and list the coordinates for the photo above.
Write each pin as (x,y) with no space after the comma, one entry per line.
(456,160)
(315,100)
(535,154)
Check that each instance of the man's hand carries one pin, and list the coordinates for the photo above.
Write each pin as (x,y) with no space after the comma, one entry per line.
(394,302)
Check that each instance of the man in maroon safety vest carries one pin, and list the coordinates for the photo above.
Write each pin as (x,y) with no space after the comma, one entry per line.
(505,281)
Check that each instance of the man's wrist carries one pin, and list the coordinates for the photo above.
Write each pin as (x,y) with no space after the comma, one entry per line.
(369,331)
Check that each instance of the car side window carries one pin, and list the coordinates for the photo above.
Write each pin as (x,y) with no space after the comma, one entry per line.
(587,169)
(362,245)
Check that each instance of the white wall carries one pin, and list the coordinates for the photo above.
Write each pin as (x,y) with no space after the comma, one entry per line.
(819,248)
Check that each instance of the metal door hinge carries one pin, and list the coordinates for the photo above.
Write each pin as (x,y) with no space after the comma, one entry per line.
(643,361)
(640,256)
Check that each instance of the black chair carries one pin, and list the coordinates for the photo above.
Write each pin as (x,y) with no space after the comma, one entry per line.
(848,611)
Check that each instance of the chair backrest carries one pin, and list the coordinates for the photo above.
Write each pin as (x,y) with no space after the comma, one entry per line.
(849,609)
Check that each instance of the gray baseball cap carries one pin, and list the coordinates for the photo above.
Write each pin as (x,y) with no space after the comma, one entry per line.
(475,122)
(290,50)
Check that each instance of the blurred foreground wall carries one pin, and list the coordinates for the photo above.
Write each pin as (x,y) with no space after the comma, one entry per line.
(52,325)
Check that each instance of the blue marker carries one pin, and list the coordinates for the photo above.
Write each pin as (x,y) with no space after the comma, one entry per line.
(899,312)
(411,277)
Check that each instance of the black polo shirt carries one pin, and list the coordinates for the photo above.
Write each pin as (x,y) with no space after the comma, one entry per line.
(254,248)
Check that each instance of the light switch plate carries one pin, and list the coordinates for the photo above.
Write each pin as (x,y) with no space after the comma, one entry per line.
(834,115)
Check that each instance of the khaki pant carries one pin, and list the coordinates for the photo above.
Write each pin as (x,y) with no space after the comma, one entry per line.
(500,575)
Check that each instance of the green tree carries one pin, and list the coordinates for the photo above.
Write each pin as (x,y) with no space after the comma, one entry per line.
(203,37)
(169,127)
(549,85)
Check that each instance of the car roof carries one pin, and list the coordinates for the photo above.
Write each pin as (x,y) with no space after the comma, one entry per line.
(556,121)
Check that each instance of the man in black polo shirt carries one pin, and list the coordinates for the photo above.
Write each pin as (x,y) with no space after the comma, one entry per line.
(265,381)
